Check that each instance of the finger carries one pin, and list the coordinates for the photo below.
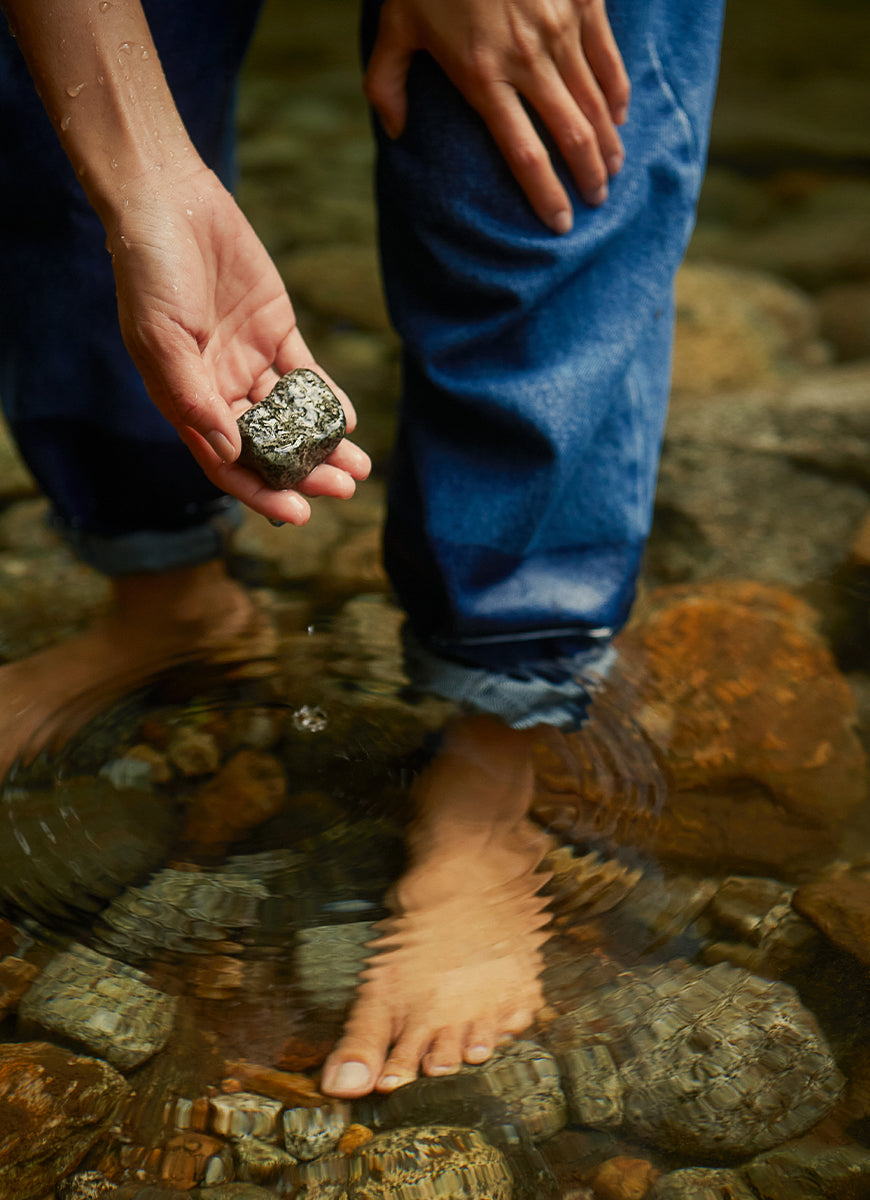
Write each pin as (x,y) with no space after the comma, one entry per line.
(385,82)
(574,134)
(588,97)
(525,154)
(328,481)
(602,54)
(347,456)
(288,505)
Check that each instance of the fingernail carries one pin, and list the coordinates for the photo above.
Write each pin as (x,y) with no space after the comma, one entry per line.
(614,163)
(562,221)
(221,445)
(351,1076)
(597,197)
(621,115)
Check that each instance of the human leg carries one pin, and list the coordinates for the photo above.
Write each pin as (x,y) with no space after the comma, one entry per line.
(124,490)
(536,376)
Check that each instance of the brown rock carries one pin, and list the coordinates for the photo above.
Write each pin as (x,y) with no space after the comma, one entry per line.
(194,751)
(297,1090)
(840,907)
(736,328)
(845,319)
(186,1157)
(624,1179)
(246,792)
(16,976)
(53,1108)
(739,699)
(354,1137)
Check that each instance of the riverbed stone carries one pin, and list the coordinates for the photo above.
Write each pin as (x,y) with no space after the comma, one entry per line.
(840,908)
(768,482)
(703,1183)
(736,328)
(752,721)
(812,1173)
(106,1006)
(54,1106)
(293,429)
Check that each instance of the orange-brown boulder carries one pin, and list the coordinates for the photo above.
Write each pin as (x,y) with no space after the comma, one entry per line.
(725,736)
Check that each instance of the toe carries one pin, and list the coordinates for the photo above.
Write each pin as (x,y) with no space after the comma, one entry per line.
(357,1060)
(403,1064)
(479,1042)
(445,1053)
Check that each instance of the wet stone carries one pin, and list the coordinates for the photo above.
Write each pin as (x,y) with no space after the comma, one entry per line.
(16,976)
(235,1191)
(592,1086)
(450,1164)
(717,1062)
(623,1178)
(703,1183)
(256,1161)
(519,1086)
(329,959)
(53,1107)
(311,1132)
(187,1158)
(84,1185)
(105,1006)
(294,428)
(841,1173)
(243,1113)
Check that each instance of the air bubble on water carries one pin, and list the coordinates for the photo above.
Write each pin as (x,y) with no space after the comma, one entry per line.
(310,719)
(75,89)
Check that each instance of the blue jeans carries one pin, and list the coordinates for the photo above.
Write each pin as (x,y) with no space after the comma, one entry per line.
(536,367)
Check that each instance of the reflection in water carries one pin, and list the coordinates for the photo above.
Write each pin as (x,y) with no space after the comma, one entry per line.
(193,886)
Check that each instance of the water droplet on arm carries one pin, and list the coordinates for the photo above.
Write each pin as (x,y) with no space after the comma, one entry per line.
(65,122)
(75,89)
(105,5)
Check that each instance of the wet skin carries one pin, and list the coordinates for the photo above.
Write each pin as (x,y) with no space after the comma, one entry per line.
(456,969)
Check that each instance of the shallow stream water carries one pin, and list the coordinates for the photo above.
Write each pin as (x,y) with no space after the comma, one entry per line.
(188,882)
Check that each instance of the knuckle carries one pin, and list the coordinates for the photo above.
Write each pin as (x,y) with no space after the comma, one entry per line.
(526,155)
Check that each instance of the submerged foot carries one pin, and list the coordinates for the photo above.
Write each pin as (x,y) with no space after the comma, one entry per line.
(456,970)
(157,621)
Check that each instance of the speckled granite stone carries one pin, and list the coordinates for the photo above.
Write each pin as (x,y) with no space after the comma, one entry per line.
(294,428)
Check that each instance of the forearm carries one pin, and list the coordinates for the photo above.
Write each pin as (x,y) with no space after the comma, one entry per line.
(98,74)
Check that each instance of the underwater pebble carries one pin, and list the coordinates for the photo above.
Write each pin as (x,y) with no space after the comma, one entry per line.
(703,1183)
(294,428)
(623,1179)
(712,1062)
(518,1085)
(311,1132)
(244,1113)
(84,1185)
(592,1086)
(194,751)
(106,1006)
(256,1161)
(329,959)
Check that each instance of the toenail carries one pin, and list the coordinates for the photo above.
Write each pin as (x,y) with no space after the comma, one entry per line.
(351,1076)
(442,1070)
(389,1081)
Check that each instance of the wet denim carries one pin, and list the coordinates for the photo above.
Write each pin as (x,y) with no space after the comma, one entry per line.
(536,367)
(124,489)
(536,374)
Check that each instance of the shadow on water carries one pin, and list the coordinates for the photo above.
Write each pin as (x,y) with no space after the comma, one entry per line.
(188,885)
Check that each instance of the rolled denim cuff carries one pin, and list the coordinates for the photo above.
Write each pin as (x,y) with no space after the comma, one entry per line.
(155,549)
(555,692)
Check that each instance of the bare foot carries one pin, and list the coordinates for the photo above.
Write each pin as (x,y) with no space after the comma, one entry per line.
(456,970)
(157,620)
